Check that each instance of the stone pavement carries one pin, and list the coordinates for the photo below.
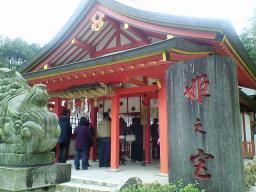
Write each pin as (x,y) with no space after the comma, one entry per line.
(147,174)
(105,179)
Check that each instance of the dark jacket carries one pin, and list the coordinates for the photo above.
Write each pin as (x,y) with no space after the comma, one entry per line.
(82,136)
(137,130)
(154,130)
(123,128)
(66,130)
(92,134)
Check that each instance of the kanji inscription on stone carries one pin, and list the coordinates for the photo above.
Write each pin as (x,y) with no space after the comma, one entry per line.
(198,89)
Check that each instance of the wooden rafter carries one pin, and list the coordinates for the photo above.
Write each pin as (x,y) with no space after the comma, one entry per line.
(131,39)
(95,75)
(114,49)
(118,36)
(108,42)
(62,46)
(70,55)
(95,41)
(89,48)
(156,35)
(139,34)
(59,57)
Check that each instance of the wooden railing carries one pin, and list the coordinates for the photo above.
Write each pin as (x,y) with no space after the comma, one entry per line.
(248,148)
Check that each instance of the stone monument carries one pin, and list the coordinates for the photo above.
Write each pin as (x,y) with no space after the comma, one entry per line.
(28,132)
(204,126)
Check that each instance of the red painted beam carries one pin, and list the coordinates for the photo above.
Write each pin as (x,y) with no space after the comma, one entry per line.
(115,49)
(84,46)
(181,57)
(139,34)
(118,37)
(160,36)
(130,38)
(151,60)
(137,90)
(136,82)
(94,41)
(108,42)
(107,78)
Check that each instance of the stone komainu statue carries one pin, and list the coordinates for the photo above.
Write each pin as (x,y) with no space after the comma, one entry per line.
(26,125)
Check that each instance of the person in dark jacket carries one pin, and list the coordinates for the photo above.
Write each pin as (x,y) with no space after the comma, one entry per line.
(65,134)
(155,136)
(104,141)
(123,132)
(90,142)
(137,145)
(82,135)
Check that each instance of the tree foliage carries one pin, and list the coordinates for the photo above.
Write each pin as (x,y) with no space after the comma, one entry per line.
(248,38)
(14,53)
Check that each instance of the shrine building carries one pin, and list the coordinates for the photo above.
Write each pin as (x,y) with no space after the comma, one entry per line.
(115,58)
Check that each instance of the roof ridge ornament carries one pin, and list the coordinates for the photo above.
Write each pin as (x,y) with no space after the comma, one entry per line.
(97,21)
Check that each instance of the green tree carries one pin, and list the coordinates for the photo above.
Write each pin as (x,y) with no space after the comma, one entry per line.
(248,38)
(14,53)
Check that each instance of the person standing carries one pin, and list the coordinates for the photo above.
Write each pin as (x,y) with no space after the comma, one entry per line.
(104,134)
(155,136)
(65,135)
(82,136)
(123,132)
(90,142)
(137,145)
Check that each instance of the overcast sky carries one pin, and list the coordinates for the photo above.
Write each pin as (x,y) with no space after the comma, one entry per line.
(39,20)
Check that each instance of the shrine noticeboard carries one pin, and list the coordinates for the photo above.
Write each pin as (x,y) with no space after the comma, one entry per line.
(204,132)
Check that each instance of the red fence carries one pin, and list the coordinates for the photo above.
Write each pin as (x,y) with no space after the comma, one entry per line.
(248,148)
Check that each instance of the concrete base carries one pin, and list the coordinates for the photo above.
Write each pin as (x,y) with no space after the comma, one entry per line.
(24,160)
(44,189)
(37,178)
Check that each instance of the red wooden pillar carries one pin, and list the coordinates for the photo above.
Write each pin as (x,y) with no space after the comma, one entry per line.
(115,132)
(146,102)
(93,115)
(163,128)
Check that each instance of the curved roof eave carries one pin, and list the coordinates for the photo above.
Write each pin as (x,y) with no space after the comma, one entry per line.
(81,10)
(216,25)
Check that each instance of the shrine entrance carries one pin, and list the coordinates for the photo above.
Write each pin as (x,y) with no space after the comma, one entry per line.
(133,102)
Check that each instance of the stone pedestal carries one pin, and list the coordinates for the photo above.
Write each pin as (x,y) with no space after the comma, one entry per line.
(34,178)
(204,125)
(24,160)
(31,172)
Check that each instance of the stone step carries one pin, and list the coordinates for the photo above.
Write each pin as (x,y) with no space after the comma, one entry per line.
(83,187)
(94,182)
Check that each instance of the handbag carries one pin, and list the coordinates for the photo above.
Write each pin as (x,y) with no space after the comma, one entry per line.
(130,138)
